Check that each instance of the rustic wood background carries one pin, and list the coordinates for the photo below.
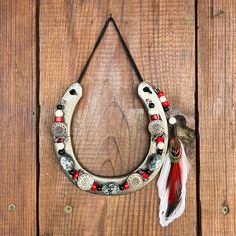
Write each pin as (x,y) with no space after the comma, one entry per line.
(187,47)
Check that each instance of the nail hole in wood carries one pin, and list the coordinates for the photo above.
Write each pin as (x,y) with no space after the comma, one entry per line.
(68,209)
(225,210)
(11,207)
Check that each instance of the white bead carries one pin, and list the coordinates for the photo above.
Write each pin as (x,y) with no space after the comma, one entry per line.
(152,111)
(60,146)
(172,120)
(162,99)
(160,145)
(59,113)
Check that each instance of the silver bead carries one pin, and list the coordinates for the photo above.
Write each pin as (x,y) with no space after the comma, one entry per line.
(110,188)
(154,161)
(66,163)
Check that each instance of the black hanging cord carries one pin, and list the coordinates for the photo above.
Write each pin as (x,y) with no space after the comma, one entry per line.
(110,19)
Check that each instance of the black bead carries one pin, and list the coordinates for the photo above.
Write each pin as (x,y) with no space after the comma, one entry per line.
(72,92)
(147,90)
(99,188)
(71,172)
(166,109)
(59,106)
(121,187)
(62,151)
(151,105)
(159,151)
(148,172)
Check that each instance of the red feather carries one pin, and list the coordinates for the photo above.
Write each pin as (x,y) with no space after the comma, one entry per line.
(174,183)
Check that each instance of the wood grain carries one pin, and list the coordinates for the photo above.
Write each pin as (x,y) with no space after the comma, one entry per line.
(109,129)
(217,57)
(18,122)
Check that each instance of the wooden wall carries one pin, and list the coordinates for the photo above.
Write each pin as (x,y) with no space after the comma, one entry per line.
(187,47)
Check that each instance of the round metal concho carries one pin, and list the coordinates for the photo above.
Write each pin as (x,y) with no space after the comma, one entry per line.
(156,128)
(59,130)
(135,181)
(85,181)
(110,185)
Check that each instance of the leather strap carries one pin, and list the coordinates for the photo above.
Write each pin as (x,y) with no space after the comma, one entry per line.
(103,31)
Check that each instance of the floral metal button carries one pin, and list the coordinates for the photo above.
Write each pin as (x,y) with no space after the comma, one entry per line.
(85,181)
(59,130)
(156,128)
(135,181)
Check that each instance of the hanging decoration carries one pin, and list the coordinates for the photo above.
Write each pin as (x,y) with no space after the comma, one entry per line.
(166,150)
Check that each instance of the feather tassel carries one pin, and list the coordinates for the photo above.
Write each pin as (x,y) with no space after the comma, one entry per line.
(172,183)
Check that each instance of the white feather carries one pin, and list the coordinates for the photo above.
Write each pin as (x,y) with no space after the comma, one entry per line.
(163,192)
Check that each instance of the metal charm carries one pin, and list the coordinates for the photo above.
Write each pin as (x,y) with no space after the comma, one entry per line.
(59,130)
(85,181)
(135,181)
(156,128)
(67,162)
(154,161)
(110,188)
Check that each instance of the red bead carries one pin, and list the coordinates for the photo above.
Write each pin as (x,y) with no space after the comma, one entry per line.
(60,140)
(160,94)
(159,139)
(154,117)
(126,185)
(145,175)
(165,104)
(94,186)
(58,119)
(76,174)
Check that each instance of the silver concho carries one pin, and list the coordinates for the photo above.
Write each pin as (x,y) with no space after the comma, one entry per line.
(59,130)
(110,188)
(66,163)
(135,181)
(85,181)
(154,161)
(156,127)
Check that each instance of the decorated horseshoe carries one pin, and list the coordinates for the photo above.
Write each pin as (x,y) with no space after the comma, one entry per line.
(166,150)
(118,185)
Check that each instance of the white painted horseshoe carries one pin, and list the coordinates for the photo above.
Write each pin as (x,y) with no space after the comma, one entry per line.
(117,185)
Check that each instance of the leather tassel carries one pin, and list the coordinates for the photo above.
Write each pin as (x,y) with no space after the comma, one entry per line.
(172,182)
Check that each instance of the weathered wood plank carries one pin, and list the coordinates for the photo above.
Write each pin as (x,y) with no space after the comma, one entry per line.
(109,132)
(18,122)
(217,57)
